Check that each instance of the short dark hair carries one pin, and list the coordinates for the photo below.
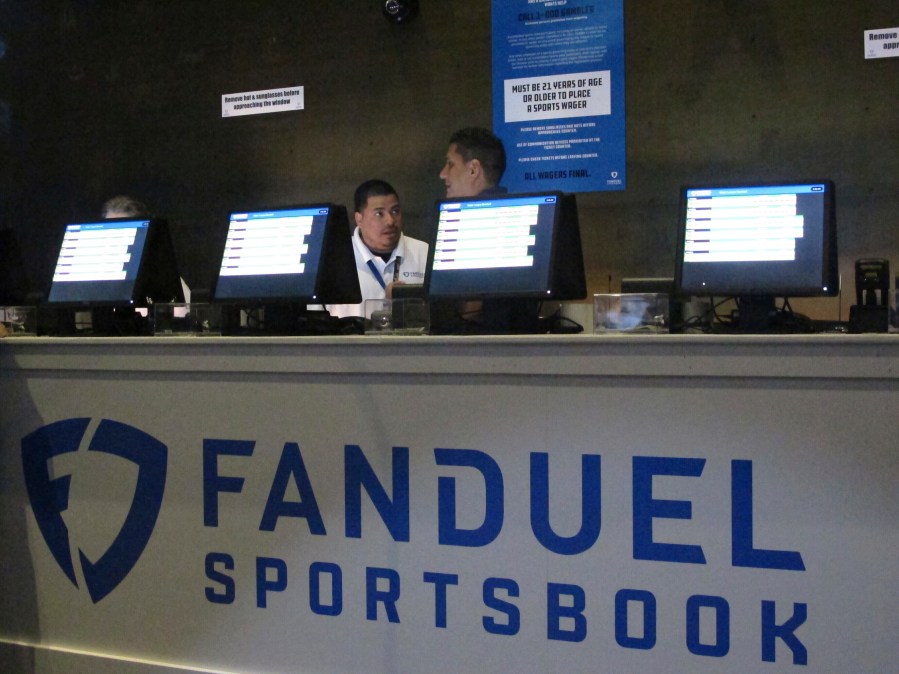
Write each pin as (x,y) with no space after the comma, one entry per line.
(478,143)
(372,188)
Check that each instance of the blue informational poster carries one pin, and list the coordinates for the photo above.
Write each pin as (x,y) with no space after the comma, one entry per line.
(558,93)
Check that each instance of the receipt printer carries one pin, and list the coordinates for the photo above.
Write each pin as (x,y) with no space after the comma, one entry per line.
(872,286)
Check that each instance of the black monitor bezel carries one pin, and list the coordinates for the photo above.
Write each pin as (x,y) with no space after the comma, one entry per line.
(157,277)
(336,279)
(829,277)
(565,281)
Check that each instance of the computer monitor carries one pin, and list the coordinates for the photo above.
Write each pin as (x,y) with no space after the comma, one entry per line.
(299,254)
(14,284)
(756,242)
(126,262)
(515,246)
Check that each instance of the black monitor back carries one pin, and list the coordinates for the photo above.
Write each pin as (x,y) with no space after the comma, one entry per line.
(14,285)
(122,262)
(319,267)
(549,267)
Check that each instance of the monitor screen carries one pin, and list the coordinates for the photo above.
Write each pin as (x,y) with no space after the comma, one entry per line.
(299,254)
(115,262)
(758,240)
(506,246)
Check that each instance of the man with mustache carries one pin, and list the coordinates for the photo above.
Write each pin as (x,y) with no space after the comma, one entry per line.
(384,255)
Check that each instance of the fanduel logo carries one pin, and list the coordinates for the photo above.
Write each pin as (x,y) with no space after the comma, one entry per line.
(50,496)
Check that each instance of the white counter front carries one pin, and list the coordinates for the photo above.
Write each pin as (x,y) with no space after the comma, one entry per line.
(508,504)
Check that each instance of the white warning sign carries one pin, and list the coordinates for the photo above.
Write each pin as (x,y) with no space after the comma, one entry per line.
(882,43)
(262,102)
(555,96)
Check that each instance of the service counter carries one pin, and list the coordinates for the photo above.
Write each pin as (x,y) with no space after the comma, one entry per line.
(369,504)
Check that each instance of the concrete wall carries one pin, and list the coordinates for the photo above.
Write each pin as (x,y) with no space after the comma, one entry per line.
(106,98)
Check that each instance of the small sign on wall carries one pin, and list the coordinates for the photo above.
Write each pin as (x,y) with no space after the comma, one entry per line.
(262,102)
(881,43)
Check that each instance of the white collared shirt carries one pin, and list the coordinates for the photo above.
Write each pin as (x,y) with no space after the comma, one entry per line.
(406,264)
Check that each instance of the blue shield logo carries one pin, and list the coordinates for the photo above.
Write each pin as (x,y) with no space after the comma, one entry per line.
(50,496)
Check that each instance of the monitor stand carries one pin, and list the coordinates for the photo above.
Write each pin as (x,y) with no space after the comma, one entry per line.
(513,316)
(117,322)
(492,316)
(757,313)
(278,319)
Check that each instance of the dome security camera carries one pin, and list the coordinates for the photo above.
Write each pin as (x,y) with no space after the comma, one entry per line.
(400,11)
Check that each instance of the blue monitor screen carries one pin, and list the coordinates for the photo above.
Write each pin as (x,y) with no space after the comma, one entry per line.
(298,255)
(498,246)
(762,239)
(273,254)
(99,262)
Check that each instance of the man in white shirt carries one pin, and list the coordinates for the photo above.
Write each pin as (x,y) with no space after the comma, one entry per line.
(384,255)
